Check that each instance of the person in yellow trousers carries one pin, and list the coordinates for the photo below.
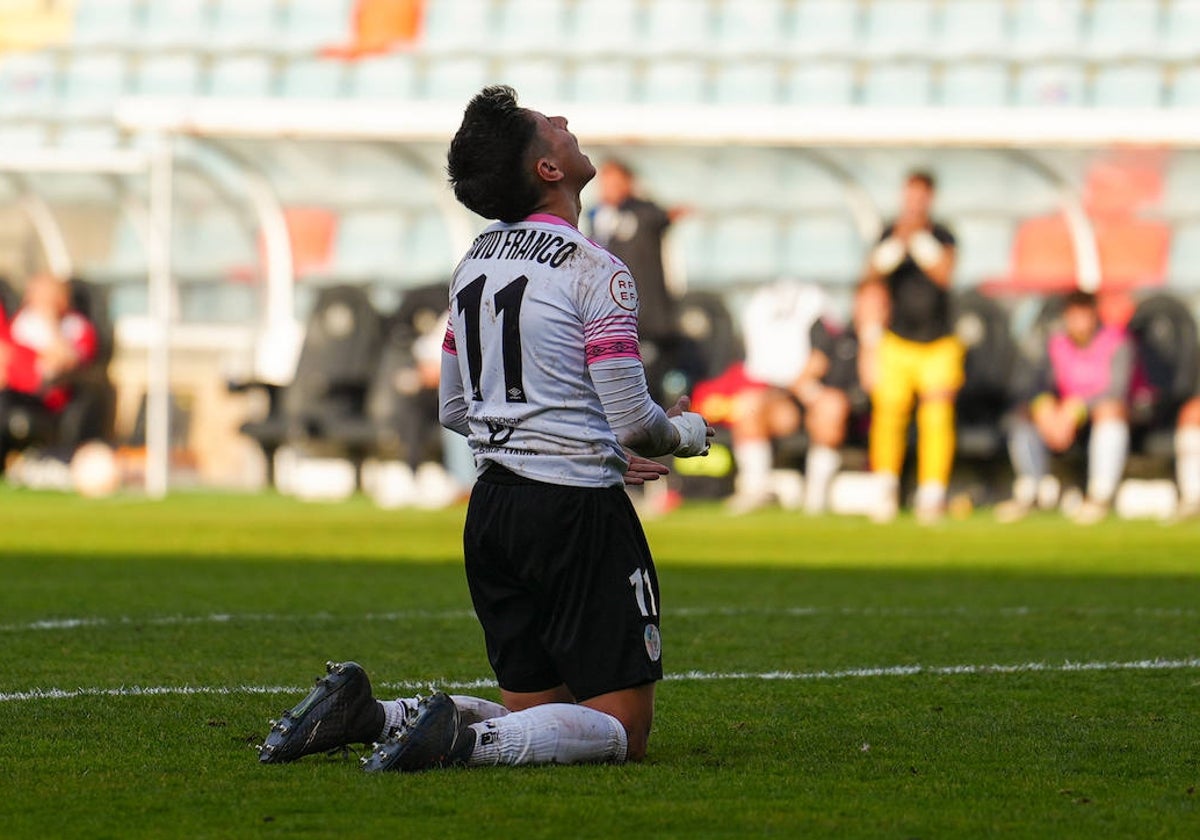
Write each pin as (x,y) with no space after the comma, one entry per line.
(920,359)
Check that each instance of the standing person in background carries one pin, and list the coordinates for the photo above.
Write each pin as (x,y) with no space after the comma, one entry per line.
(919,358)
(632,228)
(1085,384)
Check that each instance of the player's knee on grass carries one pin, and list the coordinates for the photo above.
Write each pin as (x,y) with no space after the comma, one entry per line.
(634,708)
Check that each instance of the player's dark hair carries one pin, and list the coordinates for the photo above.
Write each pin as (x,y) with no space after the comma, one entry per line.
(923,176)
(488,156)
(1080,298)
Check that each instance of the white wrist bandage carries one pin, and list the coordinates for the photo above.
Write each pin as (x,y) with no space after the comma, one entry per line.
(925,248)
(693,434)
(887,255)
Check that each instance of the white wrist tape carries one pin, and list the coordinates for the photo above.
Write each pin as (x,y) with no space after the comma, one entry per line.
(887,255)
(925,248)
(693,434)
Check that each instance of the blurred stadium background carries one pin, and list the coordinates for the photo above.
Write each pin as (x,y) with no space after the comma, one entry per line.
(212,167)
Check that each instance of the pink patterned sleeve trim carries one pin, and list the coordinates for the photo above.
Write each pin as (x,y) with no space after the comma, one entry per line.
(448,342)
(611,348)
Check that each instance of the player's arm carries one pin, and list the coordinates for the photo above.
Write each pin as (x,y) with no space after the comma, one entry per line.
(452,402)
(639,424)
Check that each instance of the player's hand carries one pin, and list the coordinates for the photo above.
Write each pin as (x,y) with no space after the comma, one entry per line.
(641,470)
(691,447)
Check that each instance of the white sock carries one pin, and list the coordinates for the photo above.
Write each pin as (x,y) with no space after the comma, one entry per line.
(1027,453)
(1187,464)
(556,733)
(395,712)
(1106,459)
(820,467)
(930,495)
(754,460)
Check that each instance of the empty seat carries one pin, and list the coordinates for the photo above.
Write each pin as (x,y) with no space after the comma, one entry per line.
(1047,28)
(1181,185)
(676,26)
(456,24)
(92,82)
(975,84)
(1128,86)
(974,28)
(429,253)
(168,75)
(455,79)
(1050,84)
(897,84)
(368,243)
(536,79)
(824,248)
(28,84)
(384,77)
(312,24)
(313,78)
(750,28)
(243,24)
(674,81)
(17,135)
(104,22)
(1185,88)
(1184,271)
(605,26)
(820,83)
(900,27)
(180,23)
(1181,28)
(1123,27)
(602,81)
(983,249)
(747,82)
(824,26)
(241,76)
(745,247)
(530,24)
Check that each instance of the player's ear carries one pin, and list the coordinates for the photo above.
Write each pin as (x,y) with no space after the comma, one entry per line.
(548,170)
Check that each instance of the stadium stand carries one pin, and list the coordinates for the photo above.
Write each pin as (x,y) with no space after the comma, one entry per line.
(769,211)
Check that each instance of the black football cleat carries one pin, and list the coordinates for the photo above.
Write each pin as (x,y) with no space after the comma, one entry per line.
(438,737)
(340,710)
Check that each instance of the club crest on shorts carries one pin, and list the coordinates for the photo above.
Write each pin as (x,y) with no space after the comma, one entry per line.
(653,642)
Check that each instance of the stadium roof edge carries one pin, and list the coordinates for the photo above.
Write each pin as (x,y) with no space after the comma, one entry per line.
(704,125)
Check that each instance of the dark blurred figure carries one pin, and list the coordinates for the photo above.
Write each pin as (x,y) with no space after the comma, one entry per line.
(632,229)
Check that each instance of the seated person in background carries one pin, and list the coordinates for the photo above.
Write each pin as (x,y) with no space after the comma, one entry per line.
(45,342)
(829,395)
(1087,380)
(1187,458)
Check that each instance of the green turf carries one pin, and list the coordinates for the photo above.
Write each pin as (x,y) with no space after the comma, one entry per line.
(224,591)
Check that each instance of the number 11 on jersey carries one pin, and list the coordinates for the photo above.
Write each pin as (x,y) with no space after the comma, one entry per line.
(508,310)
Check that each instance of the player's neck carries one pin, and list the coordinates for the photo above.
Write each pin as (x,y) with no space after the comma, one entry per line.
(562,204)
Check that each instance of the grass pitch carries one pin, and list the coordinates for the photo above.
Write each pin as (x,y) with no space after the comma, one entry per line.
(827,677)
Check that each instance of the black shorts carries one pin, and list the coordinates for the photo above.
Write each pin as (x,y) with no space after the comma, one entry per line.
(563,584)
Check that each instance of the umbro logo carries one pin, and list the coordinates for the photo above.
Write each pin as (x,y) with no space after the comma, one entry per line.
(515,393)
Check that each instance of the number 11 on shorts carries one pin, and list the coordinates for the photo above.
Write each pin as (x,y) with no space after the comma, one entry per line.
(640,581)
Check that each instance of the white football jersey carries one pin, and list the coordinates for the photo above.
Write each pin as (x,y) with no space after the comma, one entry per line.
(532,306)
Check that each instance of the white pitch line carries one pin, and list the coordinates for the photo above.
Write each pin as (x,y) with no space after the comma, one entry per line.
(76,623)
(1192,663)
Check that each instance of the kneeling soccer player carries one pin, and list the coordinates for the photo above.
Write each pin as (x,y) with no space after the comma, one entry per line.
(541,372)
